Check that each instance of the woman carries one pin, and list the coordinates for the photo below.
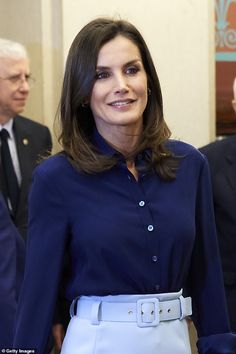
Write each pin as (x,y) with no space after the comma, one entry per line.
(132,208)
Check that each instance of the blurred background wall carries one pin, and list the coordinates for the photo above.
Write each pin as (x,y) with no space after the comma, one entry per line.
(180,35)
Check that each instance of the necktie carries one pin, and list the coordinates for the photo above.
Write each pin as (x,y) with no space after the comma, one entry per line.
(10,183)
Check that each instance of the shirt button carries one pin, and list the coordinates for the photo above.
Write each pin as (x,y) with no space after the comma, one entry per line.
(157,287)
(129,177)
(141,203)
(154,258)
(150,228)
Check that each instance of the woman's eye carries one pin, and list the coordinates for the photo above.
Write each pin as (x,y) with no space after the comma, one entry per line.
(102,75)
(132,70)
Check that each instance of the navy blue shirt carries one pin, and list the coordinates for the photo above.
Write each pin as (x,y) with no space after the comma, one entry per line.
(12,253)
(124,237)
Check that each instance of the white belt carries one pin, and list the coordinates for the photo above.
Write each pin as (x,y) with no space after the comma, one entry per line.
(147,312)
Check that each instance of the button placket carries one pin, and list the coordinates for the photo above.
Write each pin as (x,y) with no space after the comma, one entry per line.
(150,231)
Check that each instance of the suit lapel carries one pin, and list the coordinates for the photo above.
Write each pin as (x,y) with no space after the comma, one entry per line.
(23,145)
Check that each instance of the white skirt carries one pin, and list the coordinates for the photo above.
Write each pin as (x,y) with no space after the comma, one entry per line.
(116,327)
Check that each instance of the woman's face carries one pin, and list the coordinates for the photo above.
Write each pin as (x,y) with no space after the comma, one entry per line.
(119,95)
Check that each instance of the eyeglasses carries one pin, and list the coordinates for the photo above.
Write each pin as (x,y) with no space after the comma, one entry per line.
(17,80)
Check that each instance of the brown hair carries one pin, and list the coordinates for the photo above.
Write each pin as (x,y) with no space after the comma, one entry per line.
(76,119)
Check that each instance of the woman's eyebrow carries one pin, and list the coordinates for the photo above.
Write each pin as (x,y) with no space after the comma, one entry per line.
(104,67)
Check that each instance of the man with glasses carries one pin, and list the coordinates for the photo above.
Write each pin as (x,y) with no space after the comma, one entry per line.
(22,141)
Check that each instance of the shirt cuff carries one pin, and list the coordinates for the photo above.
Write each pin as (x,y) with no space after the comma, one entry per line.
(224,343)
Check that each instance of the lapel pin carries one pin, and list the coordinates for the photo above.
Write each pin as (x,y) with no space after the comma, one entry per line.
(25,141)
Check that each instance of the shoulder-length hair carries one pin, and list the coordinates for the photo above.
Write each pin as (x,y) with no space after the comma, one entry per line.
(76,118)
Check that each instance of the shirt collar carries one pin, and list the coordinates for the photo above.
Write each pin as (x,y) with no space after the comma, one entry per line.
(9,127)
(106,149)
(102,145)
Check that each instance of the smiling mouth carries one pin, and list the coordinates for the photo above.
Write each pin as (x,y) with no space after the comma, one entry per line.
(122,103)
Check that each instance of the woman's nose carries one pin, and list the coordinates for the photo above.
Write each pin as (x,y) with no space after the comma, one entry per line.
(121,84)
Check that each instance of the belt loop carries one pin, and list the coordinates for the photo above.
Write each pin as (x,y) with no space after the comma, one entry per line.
(72,307)
(95,312)
(183,309)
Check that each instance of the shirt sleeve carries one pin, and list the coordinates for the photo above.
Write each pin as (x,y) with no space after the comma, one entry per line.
(8,234)
(47,235)
(205,280)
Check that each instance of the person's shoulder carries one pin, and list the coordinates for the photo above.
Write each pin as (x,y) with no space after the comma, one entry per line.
(25,122)
(217,151)
(55,165)
(183,150)
(219,145)
(190,158)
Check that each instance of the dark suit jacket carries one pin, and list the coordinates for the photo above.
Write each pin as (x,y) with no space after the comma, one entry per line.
(12,252)
(222,160)
(32,141)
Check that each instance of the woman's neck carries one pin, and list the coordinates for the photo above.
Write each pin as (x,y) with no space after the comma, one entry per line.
(131,167)
(122,139)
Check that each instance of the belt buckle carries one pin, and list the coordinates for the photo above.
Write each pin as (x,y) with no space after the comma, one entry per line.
(153,312)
